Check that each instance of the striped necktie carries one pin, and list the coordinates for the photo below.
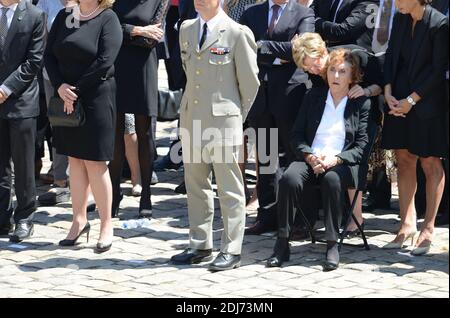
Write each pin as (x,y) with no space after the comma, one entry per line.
(3,27)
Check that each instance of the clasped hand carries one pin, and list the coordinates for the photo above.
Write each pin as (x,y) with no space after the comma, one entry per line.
(397,108)
(320,164)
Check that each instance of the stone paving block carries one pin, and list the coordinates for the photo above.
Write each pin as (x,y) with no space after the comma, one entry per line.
(13,292)
(338,283)
(417,287)
(113,288)
(161,278)
(438,282)
(435,294)
(279,276)
(253,292)
(71,288)
(292,293)
(90,293)
(217,277)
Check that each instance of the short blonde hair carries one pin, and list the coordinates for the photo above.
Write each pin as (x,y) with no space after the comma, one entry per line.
(106,3)
(307,45)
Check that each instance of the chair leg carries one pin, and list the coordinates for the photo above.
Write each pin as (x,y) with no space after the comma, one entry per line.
(350,213)
(308,225)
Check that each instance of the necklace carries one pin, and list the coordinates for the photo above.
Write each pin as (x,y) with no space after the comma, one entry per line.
(88,15)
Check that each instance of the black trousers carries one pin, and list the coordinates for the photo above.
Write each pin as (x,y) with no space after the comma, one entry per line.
(297,180)
(267,186)
(17,142)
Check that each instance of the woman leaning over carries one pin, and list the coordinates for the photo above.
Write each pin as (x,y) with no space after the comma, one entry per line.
(82,47)
(416,61)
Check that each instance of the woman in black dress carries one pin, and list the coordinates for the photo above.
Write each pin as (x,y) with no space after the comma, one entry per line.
(82,47)
(416,61)
(137,92)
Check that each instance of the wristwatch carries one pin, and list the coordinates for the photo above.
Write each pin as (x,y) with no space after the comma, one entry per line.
(410,100)
(339,160)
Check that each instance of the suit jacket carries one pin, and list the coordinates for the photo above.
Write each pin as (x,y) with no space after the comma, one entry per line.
(429,60)
(440,5)
(356,118)
(350,26)
(220,88)
(295,19)
(21,61)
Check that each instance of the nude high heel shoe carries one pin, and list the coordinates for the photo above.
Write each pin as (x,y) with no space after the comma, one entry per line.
(422,250)
(399,245)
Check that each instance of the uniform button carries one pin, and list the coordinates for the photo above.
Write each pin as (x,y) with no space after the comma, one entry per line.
(249,100)
(196,101)
(197,72)
(199,57)
(197,86)
(220,62)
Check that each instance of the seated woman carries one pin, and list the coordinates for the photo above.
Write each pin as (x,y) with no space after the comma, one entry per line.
(330,137)
(311,54)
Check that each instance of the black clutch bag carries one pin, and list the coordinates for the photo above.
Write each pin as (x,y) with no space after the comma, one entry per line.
(58,118)
(159,17)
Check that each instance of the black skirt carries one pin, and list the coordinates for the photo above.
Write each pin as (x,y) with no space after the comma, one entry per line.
(95,139)
(421,137)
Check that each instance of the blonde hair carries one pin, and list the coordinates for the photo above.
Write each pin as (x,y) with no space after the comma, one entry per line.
(342,55)
(307,45)
(105,4)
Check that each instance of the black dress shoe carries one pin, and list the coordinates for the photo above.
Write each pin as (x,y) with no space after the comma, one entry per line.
(54,196)
(257,229)
(85,230)
(225,261)
(192,256)
(22,231)
(281,253)
(356,232)
(181,188)
(101,247)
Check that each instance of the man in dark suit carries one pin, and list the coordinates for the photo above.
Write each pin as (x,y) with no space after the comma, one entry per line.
(274,23)
(342,22)
(22,42)
(441,5)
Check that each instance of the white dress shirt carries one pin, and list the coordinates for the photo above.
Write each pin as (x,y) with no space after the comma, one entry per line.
(212,23)
(280,12)
(330,135)
(9,16)
(376,46)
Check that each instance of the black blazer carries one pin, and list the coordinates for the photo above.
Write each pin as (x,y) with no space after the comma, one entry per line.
(440,5)
(21,61)
(429,60)
(350,25)
(356,117)
(295,19)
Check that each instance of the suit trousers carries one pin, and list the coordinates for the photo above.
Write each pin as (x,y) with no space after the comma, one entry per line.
(333,185)
(268,178)
(230,188)
(17,142)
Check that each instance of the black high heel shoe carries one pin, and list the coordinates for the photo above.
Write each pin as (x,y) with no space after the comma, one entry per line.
(332,258)
(282,253)
(101,247)
(356,232)
(67,242)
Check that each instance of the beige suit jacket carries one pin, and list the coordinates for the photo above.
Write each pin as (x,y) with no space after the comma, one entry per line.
(222,79)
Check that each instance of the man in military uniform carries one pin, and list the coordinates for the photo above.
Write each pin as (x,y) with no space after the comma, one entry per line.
(219,57)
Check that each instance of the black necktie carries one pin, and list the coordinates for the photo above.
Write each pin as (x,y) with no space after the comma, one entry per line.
(273,20)
(3,27)
(203,38)
(333,10)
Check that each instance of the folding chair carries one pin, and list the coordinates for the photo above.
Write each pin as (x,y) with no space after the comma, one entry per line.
(373,133)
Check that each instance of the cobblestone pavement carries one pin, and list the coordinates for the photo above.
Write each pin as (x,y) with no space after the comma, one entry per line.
(138,263)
